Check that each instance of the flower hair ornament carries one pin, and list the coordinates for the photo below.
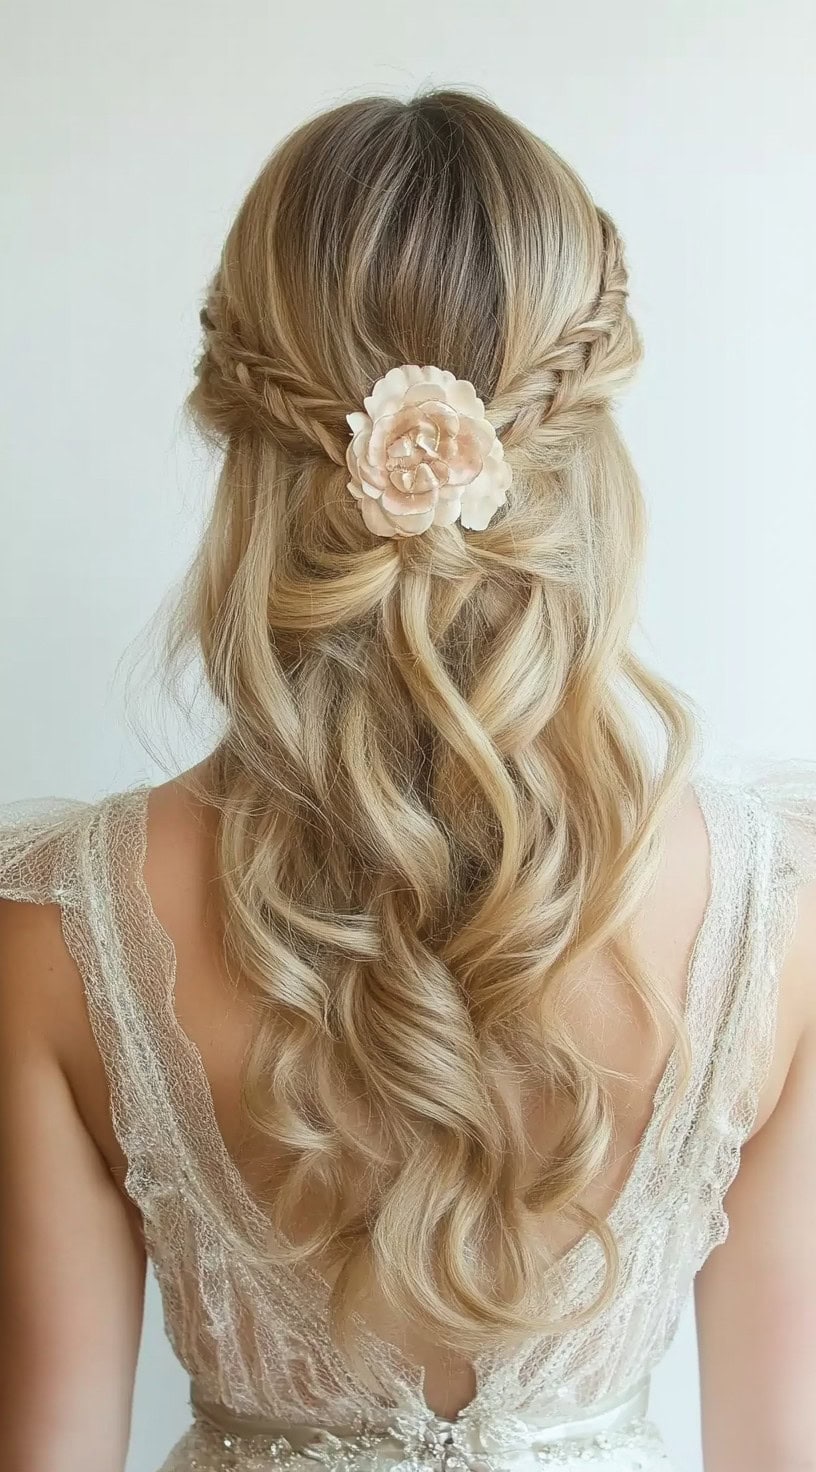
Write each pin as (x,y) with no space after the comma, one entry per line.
(423,454)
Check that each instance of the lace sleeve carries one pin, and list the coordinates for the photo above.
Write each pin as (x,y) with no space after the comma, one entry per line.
(764,849)
(787,791)
(82,857)
(40,848)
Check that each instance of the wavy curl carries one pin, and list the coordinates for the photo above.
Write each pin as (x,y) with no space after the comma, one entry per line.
(436,801)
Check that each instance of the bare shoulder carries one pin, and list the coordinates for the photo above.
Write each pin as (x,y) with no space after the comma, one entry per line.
(180,858)
(40,987)
(182,880)
(674,911)
(44,1018)
(71,1260)
(687,844)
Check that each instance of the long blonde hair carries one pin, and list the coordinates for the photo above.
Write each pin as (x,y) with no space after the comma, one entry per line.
(436,801)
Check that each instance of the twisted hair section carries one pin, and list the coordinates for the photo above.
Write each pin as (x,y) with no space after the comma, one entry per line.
(437,802)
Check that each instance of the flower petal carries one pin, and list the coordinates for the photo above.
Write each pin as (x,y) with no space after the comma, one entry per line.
(447,510)
(374,474)
(477,512)
(410,525)
(376,520)
(424,479)
(431,374)
(388,427)
(486,435)
(361,465)
(391,388)
(352,460)
(400,448)
(465,460)
(427,438)
(426,396)
(415,458)
(497,469)
(396,503)
(503,479)
(443,415)
(358,421)
(462,395)
(480,501)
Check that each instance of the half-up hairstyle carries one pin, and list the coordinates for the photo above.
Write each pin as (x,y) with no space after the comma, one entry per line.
(436,797)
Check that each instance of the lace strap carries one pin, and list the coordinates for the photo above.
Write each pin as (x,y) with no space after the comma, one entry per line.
(128,963)
(787,794)
(768,827)
(87,858)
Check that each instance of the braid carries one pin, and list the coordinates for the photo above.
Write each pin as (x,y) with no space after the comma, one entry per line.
(540,414)
(242,389)
(558,399)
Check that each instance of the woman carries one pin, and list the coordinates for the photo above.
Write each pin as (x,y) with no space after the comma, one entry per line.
(418,1033)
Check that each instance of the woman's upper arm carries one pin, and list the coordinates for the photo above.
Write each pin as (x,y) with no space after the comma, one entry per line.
(756,1294)
(71,1259)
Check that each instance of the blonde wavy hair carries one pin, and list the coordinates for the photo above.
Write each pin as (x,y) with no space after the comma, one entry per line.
(436,800)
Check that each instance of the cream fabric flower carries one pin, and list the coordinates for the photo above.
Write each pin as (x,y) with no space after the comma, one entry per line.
(423,454)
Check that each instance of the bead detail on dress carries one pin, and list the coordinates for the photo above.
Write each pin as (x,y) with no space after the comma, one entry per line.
(408,1446)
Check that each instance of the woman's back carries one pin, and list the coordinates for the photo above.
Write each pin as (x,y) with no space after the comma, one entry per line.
(139,952)
(218,1017)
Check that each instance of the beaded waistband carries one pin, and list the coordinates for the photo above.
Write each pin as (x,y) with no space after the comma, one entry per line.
(478,1440)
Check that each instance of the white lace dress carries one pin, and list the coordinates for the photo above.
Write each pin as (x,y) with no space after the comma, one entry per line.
(268,1387)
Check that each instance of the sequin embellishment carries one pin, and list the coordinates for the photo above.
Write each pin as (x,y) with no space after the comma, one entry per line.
(417,1444)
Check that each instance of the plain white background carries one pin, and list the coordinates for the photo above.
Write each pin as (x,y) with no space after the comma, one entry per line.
(132,132)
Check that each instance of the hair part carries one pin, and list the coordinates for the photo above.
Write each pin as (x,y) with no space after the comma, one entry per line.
(435,800)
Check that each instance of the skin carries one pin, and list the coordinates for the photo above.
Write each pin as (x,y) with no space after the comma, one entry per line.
(755,1297)
(72,1260)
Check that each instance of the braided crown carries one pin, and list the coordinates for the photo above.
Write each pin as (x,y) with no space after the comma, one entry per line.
(244,390)
(537,417)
